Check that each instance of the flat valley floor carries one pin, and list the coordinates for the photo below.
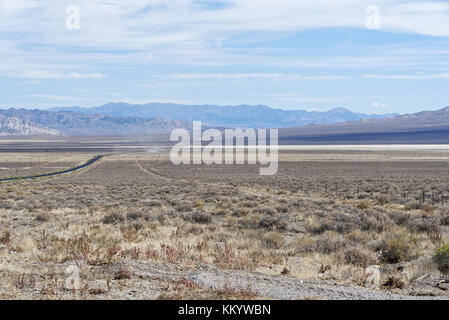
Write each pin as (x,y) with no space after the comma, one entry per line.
(137,227)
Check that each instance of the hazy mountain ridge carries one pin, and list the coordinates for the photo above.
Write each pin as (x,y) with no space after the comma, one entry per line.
(423,127)
(36,122)
(16,126)
(243,116)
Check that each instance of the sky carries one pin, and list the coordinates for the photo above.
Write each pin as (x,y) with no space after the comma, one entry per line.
(368,56)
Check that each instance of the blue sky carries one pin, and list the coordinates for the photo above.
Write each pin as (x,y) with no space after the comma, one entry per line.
(291,54)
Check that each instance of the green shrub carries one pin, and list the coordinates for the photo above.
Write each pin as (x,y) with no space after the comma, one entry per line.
(441,257)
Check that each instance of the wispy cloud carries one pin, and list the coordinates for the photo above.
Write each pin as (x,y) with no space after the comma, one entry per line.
(379,105)
(53,97)
(409,76)
(299,98)
(184,48)
(44,74)
(247,76)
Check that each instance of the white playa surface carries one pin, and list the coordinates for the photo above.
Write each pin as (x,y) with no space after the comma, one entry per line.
(383,147)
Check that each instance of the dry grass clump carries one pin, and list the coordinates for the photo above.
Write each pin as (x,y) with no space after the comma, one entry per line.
(262,210)
(397,248)
(226,256)
(359,256)
(113,218)
(198,217)
(364,204)
(393,283)
(327,243)
(5,238)
(272,222)
(423,223)
(42,216)
(346,221)
(273,240)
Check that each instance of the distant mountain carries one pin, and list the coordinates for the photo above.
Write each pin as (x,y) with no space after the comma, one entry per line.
(242,116)
(15,126)
(429,127)
(37,122)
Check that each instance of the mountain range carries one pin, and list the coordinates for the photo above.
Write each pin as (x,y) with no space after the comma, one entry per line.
(42,122)
(336,126)
(426,127)
(242,116)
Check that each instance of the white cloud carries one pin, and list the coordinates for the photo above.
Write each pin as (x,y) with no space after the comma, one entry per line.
(53,97)
(409,76)
(247,76)
(299,98)
(137,24)
(44,74)
(379,105)
(181,31)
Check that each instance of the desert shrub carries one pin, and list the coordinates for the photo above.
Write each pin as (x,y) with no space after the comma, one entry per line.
(383,200)
(273,240)
(271,222)
(130,233)
(373,221)
(249,222)
(240,212)
(427,208)
(345,222)
(199,204)
(393,283)
(198,217)
(327,243)
(265,210)
(113,218)
(364,204)
(441,257)
(134,215)
(359,257)
(5,238)
(316,226)
(184,207)
(396,248)
(423,223)
(444,220)
(282,209)
(399,218)
(152,203)
(42,216)
(414,205)
(358,236)
(247,204)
